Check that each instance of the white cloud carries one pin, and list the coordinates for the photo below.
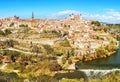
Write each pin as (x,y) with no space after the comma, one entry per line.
(114,13)
(66,12)
(109,15)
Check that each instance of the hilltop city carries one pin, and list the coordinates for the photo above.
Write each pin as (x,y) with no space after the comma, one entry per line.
(52,44)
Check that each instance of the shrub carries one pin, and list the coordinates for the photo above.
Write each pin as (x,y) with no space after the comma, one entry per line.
(10,43)
(65,43)
(13,54)
(58,53)
(7,32)
(63,60)
(1,32)
(23,25)
(48,48)
(36,49)
(101,51)
(11,25)
(42,78)
(69,61)
(54,66)
(97,23)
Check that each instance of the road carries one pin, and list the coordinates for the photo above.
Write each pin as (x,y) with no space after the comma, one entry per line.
(13,49)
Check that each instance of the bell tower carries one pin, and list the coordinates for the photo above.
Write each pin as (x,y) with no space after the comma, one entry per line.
(32,15)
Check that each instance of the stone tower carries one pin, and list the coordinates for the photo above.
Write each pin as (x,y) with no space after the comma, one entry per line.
(32,15)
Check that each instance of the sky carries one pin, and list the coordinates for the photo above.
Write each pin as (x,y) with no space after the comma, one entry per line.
(101,10)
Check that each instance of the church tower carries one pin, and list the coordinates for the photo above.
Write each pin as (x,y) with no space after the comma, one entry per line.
(32,15)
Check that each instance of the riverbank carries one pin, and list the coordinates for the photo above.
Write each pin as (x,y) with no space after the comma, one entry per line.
(90,57)
(101,52)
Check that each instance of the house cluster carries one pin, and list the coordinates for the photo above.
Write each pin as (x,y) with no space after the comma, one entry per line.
(7,22)
(79,32)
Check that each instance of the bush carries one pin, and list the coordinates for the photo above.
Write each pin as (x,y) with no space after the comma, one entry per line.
(10,43)
(41,78)
(65,43)
(71,80)
(1,32)
(23,25)
(11,25)
(10,77)
(13,54)
(49,49)
(36,49)
(58,53)
(101,51)
(97,23)
(54,66)
(7,31)
(63,60)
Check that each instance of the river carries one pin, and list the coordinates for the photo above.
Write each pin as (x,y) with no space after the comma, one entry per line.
(107,63)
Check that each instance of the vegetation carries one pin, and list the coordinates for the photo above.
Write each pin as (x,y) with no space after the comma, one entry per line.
(5,32)
(10,43)
(51,34)
(65,43)
(11,25)
(10,77)
(54,66)
(113,77)
(30,67)
(96,23)
(14,77)
(36,49)
(105,28)
(13,55)
(26,29)
(106,51)
(114,30)
(101,51)
(1,32)
(112,46)
(23,25)
(48,49)
(58,52)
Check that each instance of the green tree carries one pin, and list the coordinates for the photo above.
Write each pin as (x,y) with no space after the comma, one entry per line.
(23,25)
(1,32)
(11,25)
(7,31)
(97,23)
(101,51)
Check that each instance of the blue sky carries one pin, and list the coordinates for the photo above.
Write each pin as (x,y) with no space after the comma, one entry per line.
(102,10)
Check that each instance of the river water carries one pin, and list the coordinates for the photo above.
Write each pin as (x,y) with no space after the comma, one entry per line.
(107,63)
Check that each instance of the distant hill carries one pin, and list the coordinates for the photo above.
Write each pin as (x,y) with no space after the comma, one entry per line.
(108,23)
